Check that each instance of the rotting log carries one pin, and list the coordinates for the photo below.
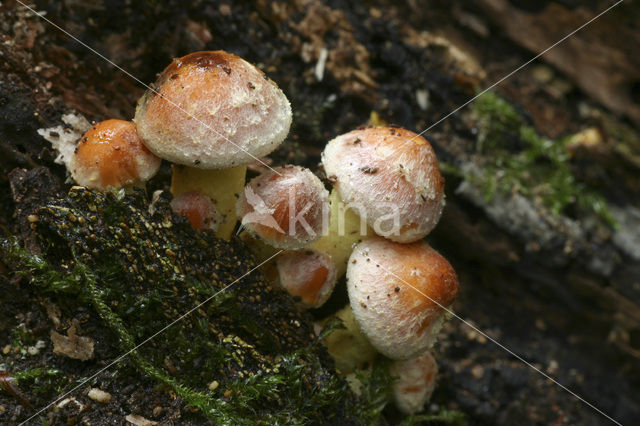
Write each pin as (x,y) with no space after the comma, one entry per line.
(574,300)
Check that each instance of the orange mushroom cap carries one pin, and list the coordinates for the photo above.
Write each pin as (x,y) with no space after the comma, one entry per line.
(397,292)
(111,155)
(308,274)
(286,207)
(198,209)
(415,382)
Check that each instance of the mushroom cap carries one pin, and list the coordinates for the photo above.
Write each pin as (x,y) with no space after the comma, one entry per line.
(111,155)
(287,210)
(390,175)
(198,209)
(213,110)
(416,381)
(309,274)
(392,288)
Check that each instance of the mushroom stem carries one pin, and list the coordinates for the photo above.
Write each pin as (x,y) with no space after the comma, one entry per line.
(222,186)
(349,347)
(345,229)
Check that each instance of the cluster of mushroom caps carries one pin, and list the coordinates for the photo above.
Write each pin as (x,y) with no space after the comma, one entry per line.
(211,114)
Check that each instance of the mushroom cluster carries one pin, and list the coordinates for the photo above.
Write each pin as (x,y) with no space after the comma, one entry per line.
(211,114)
(399,287)
(387,195)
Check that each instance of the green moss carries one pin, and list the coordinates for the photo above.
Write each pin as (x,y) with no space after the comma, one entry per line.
(498,122)
(333,324)
(21,338)
(517,158)
(42,380)
(285,383)
(377,390)
(35,374)
(139,273)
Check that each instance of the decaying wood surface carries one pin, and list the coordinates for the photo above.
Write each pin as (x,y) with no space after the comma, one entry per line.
(601,61)
(570,305)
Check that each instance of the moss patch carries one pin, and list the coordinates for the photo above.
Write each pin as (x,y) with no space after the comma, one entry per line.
(515,158)
(140,271)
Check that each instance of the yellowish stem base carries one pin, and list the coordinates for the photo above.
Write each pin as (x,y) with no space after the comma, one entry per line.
(345,230)
(349,347)
(222,186)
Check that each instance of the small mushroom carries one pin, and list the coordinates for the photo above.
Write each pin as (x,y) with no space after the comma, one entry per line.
(391,176)
(286,207)
(415,382)
(198,209)
(397,293)
(111,155)
(308,274)
(212,112)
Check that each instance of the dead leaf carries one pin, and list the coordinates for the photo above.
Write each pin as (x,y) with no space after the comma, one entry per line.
(72,345)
